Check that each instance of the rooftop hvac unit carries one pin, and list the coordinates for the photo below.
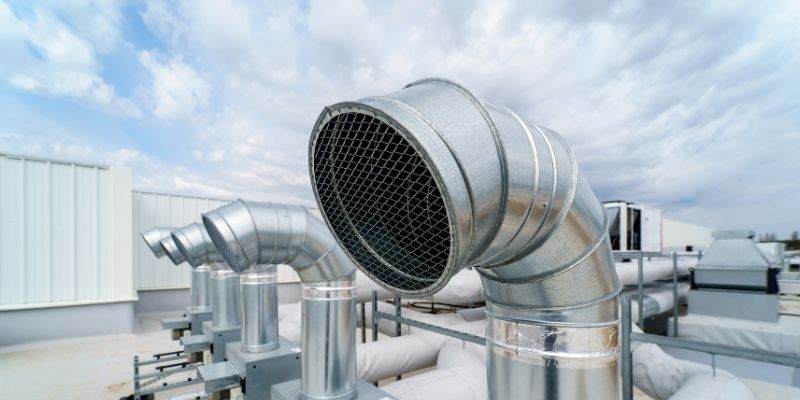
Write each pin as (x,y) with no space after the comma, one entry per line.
(633,227)
(422,182)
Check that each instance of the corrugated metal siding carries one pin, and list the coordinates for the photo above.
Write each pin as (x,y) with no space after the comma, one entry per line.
(55,229)
(168,210)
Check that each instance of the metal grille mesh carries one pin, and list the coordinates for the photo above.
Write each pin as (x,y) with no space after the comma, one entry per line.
(381,201)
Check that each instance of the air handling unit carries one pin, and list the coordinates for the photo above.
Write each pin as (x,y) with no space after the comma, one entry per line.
(734,279)
(633,227)
(423,182)
(200,309)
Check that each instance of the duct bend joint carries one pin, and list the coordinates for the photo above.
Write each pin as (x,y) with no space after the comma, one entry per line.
(420,183)
(250,233)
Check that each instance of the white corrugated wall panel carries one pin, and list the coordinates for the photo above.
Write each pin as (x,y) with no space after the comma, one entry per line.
(167,210)
(55,234)
(172,211)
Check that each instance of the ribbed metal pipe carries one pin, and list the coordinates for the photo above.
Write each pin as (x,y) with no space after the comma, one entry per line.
(248,233)
(260,309)
(425,181)
(221,283)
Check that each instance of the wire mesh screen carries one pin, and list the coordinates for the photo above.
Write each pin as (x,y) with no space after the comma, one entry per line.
(381,201)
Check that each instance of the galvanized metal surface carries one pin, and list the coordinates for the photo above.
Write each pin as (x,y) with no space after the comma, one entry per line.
(422,182)
(225,298)
(249,234)
(153,237)
(201,288)
(195,245)
(260,310)
(58,233)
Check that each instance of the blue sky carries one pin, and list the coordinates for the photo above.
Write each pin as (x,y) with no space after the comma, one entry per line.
(691,107)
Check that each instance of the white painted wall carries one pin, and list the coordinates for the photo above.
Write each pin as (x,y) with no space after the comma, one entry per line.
(64,233)
(677,235)
(169,210)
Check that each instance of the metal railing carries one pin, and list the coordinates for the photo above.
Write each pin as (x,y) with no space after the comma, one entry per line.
(400,320)
(639,256)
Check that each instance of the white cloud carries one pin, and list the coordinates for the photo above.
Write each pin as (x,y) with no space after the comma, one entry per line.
(43,54)
(685,106)
(177,90)
(662,102)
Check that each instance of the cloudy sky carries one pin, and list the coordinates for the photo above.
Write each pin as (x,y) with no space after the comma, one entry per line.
(691,107)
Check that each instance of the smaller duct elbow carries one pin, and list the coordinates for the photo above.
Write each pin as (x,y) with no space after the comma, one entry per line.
(194,243)
(153,236)
(250,233)
(172,251)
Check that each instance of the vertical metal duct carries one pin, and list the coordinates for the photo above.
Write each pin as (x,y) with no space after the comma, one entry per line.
(260,308)
(193,243)
(425,181)
(248,233)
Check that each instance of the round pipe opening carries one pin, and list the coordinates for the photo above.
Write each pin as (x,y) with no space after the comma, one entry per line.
(225,241)
(381,200)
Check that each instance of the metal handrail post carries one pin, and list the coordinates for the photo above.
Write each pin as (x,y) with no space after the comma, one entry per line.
(627,356)
(374,315)
(675,299)
(640,290)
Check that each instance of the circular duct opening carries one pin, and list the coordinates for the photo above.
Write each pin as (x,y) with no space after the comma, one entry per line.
(225,242)
(382,201)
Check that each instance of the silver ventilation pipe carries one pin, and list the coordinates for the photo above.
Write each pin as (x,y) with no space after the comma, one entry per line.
(248,233)
(194,245)
(153,236)
(420,183)
(201,275)
(259,286)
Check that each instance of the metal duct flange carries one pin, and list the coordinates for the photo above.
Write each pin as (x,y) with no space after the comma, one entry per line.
(153,236)
(425,181)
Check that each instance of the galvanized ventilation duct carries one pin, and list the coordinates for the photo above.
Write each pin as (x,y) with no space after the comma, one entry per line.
(196,247)
(153,236)
(428,180)
(248,233)
(171,250)
(200,275)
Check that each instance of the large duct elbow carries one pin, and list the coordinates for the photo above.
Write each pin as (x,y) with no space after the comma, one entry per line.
(249,234)
(153,236)
(425,181)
